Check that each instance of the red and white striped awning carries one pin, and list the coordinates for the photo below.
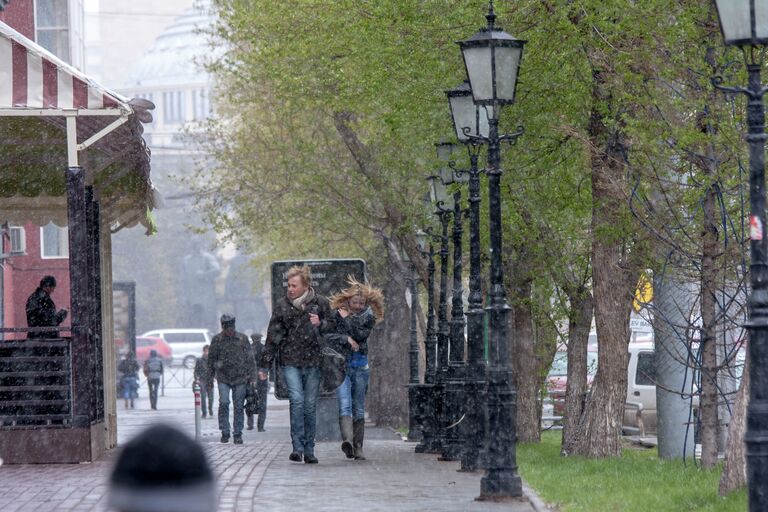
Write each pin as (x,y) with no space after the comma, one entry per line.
(33,78)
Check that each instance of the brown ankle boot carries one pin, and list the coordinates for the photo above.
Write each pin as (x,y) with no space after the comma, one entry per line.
(345,426)
(359,435)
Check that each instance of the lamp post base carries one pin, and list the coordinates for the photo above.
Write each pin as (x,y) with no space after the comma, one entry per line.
(415,412)
(453,444)
(501,479)
(430,440)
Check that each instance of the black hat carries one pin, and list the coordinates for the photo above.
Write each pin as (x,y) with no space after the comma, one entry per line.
(162,470)
(227,320)
(47,281)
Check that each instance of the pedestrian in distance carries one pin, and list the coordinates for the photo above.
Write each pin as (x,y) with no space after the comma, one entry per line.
(204,379)
(153,369)
(231,363)
(256,402)
(293,338)
(41,310)
(162,470)
(357,309)
(129,377)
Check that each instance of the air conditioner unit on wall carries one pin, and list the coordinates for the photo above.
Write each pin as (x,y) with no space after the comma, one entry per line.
(18,240)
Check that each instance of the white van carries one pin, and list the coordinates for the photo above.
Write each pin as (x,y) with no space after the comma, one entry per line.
(640,407)
(186,344)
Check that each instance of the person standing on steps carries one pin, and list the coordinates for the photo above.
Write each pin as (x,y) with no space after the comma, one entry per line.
(231,363)
(357,309)
(153,369)
(292,338)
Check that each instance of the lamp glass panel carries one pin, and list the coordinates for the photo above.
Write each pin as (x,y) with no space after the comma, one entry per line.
(478,62)
(734,18)
(761,18)
(468,115)
(507,62)
(421,239)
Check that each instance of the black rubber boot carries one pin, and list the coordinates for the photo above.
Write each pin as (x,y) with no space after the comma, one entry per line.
(345,426)
(359,435)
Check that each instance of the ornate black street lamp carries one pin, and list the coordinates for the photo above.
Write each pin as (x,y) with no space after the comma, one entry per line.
(471,125)
(414,398)
(492,59)
(744,23)
(453,445)
(427,414)
(443,204)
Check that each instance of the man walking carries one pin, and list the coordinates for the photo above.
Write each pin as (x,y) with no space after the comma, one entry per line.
(231,363)
(262,387)
(204,378)
(295,328)
(41,311)
(153,369)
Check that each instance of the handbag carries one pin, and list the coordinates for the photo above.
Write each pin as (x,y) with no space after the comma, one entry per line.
(252,403)
(333,369)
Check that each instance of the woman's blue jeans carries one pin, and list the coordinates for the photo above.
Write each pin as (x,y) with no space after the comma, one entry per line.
(351,393)
(303,388)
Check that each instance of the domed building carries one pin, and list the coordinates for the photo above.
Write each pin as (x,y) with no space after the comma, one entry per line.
(171,75)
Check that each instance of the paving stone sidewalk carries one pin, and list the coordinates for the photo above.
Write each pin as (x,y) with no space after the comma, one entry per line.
(258,475)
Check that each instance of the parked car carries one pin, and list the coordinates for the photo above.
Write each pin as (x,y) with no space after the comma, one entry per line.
(186,344)
(557,378)
(145,345)
(640,407)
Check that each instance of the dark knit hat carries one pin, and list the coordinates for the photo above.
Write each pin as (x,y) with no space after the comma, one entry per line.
(227,321)
(162,470)
(47,281)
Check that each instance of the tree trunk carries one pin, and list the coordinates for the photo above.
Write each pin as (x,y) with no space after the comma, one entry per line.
(523,360)
(387,400)
(709,394)
(734,474)
(579,324)
(599,431)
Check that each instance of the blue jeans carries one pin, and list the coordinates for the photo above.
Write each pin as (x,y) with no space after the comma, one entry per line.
(130,387)
(303,388)
(238,397)
(351,393)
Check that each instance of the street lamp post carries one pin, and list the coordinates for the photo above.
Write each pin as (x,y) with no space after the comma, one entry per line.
(471,125)
(429,426)
(415,415)
(454,384)
(492,59)
(744,23)
(443,209)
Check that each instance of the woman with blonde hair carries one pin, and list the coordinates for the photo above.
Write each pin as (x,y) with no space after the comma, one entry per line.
(358,308)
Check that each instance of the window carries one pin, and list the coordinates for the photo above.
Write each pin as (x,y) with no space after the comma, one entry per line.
(18,240)
(173,107)
(646,369)
(185,337)
(54,242)
(199,104)
(52,22)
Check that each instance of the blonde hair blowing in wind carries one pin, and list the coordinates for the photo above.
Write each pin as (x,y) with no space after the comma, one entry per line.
(373,297)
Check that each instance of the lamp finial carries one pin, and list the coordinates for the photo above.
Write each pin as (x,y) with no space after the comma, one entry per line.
(491,16)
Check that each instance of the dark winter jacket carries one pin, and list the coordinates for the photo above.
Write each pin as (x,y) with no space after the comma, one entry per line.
(128,367)
(230,359)
(202,372)
(291,335)
(41,312)
(358,327)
